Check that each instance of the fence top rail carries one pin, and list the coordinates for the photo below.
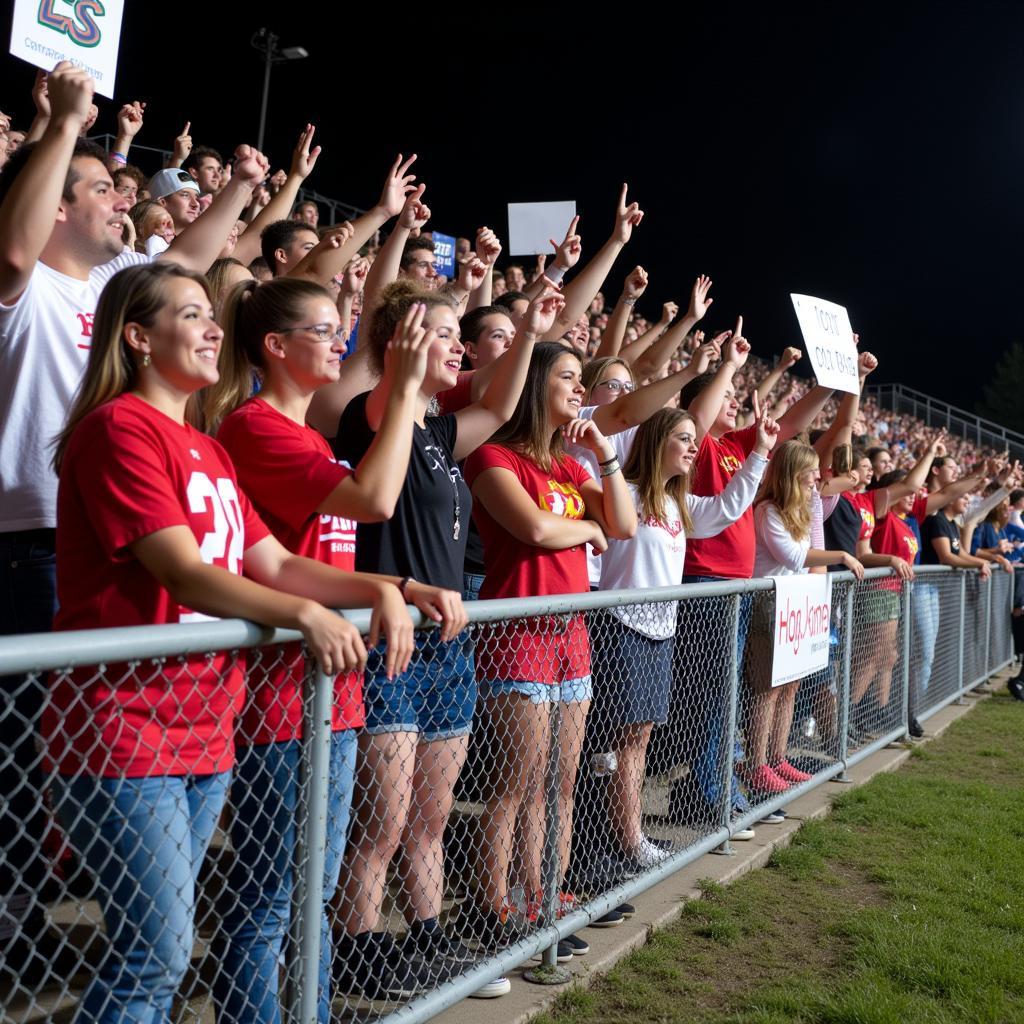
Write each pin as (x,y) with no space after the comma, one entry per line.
(44,652)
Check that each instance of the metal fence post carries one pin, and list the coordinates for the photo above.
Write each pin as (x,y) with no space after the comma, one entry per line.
(962,685)
(730,723)
(310,848)
(844,694)
(988,625)
(906,599)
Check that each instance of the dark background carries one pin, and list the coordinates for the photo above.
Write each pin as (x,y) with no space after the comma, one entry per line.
(871,157)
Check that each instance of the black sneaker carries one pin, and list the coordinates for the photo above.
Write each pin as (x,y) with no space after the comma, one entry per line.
(438,945)
(490,930)
(915,728)
(1015,687)
(579,946)
(610,920)
(371,965)
(626,909)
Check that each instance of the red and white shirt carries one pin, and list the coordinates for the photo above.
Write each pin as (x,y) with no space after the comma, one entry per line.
(128,472)
(287,469)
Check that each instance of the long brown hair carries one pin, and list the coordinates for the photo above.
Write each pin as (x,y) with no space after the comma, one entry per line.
(782,488)
(134,295)
(643,467)
(529,430)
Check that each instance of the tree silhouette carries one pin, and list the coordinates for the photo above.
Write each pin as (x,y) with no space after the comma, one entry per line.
(1004,394)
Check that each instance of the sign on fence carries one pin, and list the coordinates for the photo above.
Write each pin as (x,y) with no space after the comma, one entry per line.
(829,340)
(531,226)
(45,32)
(803,614)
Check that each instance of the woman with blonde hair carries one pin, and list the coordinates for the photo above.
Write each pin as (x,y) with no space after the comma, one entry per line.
(782,528)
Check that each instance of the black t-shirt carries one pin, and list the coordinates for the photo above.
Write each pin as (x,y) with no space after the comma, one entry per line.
(842,529)
(418,540)
(938,525)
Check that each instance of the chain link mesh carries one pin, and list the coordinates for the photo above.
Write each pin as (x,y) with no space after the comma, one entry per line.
(596,745)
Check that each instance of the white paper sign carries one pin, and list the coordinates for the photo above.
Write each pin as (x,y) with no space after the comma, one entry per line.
(800,630)
(829,340)
(531,226)
(87,33)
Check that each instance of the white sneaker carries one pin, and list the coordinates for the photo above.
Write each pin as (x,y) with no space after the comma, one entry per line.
(493,989)
(743,834)
(647,854)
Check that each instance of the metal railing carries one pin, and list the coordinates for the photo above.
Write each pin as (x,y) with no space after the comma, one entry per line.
(539,773)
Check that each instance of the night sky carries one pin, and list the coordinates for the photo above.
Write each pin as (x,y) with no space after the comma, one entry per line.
(872,158)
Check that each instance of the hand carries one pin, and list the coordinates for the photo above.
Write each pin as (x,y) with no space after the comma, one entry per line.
(985,570)
(699,301)
(332,640)
(90,120)
(768,434)
(669,311)
(443,606)
(260,196)
(599,542)
(1006,472)
(626,218)
(304,158)
(397,185)
(40,96)
(707,352)
(128,233)
(790,356)
(414,214)
(636,284)
(866,363)
(182,145)
(391,618)
(472,272)
(538,270)
(737,348)
(853,565)
(251,166)
(541,314)
(277,181)
(405,359)
(488,247)
(587,434)
(70,90)
(937,447)
(339,234)
(354,278)
(129,119)
(567,252)
(903,569)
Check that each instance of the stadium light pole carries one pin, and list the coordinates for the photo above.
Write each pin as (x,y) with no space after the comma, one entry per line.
(266,43)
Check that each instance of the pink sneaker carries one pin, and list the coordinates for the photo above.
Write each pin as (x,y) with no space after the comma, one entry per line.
(763,781)
(788,773)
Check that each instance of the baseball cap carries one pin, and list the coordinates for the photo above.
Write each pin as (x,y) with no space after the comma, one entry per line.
(169,181)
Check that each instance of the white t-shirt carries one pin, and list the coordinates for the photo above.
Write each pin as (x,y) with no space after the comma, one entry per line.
(777,553)
(44,344)
(654,557)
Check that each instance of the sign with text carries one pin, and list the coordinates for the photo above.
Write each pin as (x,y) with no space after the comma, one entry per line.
(531,226)
(829,340)
(800,631)
(85,32)
(444,254)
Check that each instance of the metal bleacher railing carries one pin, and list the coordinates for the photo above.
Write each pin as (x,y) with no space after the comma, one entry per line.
(950,633)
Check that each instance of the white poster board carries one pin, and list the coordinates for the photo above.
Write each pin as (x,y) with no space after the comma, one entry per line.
(800,630)
(45,32)
(531,226)
(829,340)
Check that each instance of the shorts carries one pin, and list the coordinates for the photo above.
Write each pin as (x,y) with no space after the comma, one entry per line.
(434,697)
(632,674)
(880,605)
(572,691)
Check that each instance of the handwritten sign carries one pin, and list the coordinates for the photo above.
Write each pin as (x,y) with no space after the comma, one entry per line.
(85,32)
(828,337)
(531,226)
(803,613)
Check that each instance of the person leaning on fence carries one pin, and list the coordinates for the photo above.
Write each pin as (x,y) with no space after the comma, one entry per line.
(537,509)
(153,528)
(633,650)
(417,725)
(782,528)
(288,332)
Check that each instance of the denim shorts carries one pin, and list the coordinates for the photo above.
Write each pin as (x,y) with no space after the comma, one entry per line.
(570,692)
(434,696)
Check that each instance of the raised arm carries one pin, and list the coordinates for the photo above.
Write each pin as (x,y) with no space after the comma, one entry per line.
(800,416)
(706,406)
(567,255)
(612,336)
(607,499)
(840,430)
(129,124)
(651,362)
(767,386)
(488,249)
(886,497)
(182,146)
(580,292)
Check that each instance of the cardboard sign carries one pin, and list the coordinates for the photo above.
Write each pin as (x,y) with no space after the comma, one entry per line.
(800,631)
(531,226)
(444,254)
(828,337)
(87,33)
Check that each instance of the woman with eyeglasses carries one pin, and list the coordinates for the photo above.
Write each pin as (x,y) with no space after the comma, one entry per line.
(288,332)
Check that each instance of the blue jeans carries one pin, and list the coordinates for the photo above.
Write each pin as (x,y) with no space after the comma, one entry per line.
(265,795)
(145,840)
(924,613)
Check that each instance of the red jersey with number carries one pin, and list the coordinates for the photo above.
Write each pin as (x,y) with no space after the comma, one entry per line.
(864,503)
(555,648)
(287,469)
(731,552)
(892,536)
(128,472)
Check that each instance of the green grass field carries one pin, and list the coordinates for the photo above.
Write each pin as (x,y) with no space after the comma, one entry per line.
(905,905)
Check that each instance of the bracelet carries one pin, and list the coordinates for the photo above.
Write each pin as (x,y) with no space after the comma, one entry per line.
(629,302)
(608,468)
(608,462)
(403,583)
(119,158)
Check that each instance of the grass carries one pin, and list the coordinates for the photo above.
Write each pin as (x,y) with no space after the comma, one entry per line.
(905,905)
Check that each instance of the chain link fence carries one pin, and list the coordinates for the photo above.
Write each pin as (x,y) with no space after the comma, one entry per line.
(518,784)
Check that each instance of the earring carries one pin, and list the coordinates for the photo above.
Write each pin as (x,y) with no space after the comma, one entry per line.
(145,359)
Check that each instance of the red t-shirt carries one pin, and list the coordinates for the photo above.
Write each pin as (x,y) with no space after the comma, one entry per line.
(864,503)
(892,536)
(458,397)
(731,552)
(288,470)
(552,649)
(128,472)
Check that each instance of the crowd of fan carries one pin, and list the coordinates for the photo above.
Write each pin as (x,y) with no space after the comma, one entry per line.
(215,406)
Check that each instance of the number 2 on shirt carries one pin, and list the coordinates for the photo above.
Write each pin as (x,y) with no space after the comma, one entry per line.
(227,538)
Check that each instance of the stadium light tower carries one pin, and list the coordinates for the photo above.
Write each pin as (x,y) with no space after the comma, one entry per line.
(266,43)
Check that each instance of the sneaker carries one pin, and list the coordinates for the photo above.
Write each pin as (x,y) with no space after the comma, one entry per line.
(488,928)
(788,773)
(610,920)
(647,855)
(563,953)
(763,781)
(1015,687)
(436,945)
(579,947)
(743,834)
(915,728)
(773,818)
(371,965)
(626,909)
(493,989)
(661,844)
